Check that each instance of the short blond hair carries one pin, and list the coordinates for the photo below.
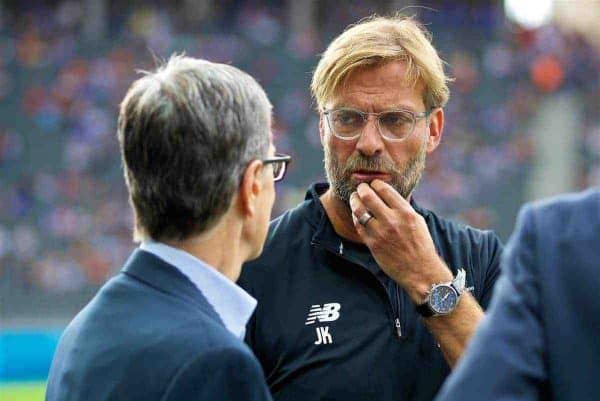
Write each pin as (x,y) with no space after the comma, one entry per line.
(377,40)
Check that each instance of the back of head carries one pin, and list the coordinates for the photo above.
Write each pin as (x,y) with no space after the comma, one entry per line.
(186,132)
(378,40)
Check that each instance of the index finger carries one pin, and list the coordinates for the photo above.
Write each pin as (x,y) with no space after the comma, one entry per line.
(389,195)
(372,201)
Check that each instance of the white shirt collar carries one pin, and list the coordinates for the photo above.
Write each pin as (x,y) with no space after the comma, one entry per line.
(233,305)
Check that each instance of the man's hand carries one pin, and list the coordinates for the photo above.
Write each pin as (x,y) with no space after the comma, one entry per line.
(398,238)
(400,242)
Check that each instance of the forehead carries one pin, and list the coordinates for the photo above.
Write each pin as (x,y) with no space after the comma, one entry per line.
(379,87)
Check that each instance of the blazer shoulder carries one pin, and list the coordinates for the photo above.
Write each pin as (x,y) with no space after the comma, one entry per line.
(567,203)
(234,372)
(565,217)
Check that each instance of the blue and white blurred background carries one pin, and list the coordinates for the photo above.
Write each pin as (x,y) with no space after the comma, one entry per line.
(523,122)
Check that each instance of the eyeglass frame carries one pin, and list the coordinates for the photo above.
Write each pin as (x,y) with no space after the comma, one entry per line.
(364,114)
(279,157)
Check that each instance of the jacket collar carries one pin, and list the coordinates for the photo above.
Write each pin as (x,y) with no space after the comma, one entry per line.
(233,305)
(166,278)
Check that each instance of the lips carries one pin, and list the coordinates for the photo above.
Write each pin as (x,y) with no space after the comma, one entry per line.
(368,175)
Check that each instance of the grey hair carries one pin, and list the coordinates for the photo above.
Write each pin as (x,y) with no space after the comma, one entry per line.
(187,132)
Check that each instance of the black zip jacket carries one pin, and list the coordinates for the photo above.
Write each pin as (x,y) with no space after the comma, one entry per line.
(330,325)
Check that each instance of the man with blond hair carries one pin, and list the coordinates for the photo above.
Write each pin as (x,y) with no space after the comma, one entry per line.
(363,294)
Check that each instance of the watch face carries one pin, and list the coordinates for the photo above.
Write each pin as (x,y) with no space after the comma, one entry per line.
(443,299)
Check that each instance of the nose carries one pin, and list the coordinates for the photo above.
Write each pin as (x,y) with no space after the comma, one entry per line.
(370,142)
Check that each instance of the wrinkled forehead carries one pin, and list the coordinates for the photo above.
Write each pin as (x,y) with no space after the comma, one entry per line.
(379,87)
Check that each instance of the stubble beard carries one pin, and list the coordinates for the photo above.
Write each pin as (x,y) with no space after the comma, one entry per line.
(404,180)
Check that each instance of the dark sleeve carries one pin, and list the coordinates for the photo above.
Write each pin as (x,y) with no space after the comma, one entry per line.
(505,359)
(493,250)
(224,374)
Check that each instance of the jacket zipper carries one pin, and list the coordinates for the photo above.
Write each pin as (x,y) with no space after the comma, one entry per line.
(401,312)
(398,328)
(395,316)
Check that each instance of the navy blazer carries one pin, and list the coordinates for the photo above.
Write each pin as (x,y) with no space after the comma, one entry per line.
(541,339)
(149,334)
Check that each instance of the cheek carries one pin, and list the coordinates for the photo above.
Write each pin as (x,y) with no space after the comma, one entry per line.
(402,152)
(341,150)
(272,201)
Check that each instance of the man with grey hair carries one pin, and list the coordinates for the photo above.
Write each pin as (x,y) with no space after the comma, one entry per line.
(199,166)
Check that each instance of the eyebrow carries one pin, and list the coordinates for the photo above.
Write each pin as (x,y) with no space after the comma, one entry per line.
(395,107)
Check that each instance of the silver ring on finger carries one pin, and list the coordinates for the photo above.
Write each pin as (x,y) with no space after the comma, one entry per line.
(364,219)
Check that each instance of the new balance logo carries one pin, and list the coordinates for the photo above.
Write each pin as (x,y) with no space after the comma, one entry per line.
(326,313)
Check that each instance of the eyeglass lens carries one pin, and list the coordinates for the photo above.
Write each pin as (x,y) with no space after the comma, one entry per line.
(278,170)
(393,124)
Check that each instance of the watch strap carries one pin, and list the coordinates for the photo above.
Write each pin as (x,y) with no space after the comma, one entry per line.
(424,310)
(460,281)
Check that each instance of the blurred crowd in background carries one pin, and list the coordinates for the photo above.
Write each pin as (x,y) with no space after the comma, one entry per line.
(65,222)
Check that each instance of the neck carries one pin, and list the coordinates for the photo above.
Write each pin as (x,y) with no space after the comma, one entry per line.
(340,216)
(220,247)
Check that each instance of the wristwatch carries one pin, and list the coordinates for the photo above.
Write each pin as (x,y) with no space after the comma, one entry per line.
(443,297)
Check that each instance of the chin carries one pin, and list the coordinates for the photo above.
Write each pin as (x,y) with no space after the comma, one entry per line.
(236,276)
(257,250)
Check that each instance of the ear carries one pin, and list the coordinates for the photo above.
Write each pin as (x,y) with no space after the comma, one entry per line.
(250,188)
(436,128)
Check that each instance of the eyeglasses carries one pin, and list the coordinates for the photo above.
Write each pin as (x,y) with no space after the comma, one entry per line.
(394,125)
(279,162)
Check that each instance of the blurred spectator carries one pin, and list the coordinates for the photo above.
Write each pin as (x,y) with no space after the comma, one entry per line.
(64,218)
